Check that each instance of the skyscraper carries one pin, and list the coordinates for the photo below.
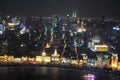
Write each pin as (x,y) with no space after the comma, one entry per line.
(74,14)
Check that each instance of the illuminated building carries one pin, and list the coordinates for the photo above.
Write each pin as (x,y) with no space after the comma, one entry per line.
(114,61)
(102,54)
(54,21)
(55,57)
(10,58)
(47,45)
(103,60)
(11,25)
(65,60)
(82,28)
(85,58)
(23,31)
(15,21)
(31,59)
(43,58)
(96,39)
(17,60)
(74,14)
(2,28)
(81,62)
(43,53)
(5,57)
(96,46)
(24,59)
(74,62)
(78,21)
(38,58)
(100,48)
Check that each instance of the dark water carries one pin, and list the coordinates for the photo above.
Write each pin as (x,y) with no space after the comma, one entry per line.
(50,73)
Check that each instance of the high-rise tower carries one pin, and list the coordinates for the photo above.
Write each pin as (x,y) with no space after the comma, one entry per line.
(74,14)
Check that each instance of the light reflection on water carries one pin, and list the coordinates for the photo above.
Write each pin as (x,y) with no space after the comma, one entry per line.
(50,73)
(89,77)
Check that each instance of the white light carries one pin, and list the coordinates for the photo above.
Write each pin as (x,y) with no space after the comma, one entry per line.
(11,24)
(21,45)
(67,14)
(35,31)
(79,30)
(1,32)
(22,31)
(36,45)
(43,53)
(83,54)
(95,49)
(118,29)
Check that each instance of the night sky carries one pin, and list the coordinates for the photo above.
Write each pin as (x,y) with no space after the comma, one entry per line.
(84,8)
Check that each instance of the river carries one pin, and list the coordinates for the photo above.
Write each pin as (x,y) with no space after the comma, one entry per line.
(51,73)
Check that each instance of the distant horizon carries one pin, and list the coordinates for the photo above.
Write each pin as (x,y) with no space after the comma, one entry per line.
(65,15)
(84,8)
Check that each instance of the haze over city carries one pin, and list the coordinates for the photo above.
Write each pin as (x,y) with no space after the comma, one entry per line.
(84,8)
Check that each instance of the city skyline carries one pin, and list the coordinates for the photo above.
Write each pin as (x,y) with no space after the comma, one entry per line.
(59,39)
(83,8)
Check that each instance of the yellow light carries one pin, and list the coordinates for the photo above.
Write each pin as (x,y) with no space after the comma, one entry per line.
(79,30)
(80,62)
(82,29)
(47,46)
(43,53)
(101,47)
(31,59)
(39,58)
(11,24)
(55,53)
(5,56)
(47,59)
(78,21)
(114,66)
(24,58)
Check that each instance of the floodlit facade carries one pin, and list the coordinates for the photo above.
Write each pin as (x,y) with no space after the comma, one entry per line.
(38,58)
(24,59)
(17,60)
(55,57)
(31,59)
(100,48)
(82,28)
(11,58)
(43,58)
(114,61)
